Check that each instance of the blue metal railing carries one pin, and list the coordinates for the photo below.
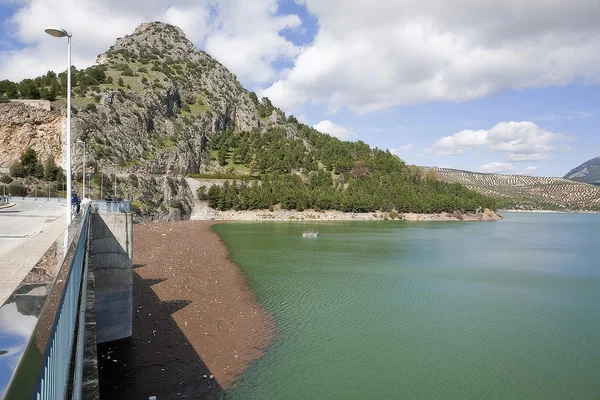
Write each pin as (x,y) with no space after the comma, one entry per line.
(43,364)
(53,377)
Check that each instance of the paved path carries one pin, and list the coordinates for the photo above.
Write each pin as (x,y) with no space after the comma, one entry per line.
(27,230)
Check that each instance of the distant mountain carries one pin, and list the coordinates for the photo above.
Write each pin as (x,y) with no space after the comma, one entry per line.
(588,172)
(527,192)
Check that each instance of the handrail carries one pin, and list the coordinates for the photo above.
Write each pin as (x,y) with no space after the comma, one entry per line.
(40,198)
(120,206)
(39,364)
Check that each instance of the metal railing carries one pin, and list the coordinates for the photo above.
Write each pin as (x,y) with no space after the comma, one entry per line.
(111,206)
(43,368)
(40,198)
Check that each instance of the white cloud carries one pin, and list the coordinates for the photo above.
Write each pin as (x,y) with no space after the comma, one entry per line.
(518,141)
(396,52)
(496,167)
(529,170)
(245,36)
(334,129)
(401,149)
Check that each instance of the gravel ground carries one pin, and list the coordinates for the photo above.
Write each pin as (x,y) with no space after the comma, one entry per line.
(194,317)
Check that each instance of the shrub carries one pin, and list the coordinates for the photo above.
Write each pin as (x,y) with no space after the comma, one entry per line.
(190,99)
(90,107)
(133,180)
(127,72)
(109,79)
(144,80)
(121,83)
(17,170)
(201,193)
(16,189)
(142,70)
(136,207)
(6,179)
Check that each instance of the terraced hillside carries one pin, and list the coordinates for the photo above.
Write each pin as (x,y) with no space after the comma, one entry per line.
(527,192)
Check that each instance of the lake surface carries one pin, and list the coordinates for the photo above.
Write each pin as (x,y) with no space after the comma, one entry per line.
(447,310)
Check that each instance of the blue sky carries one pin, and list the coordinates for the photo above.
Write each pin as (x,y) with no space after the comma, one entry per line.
(488,86)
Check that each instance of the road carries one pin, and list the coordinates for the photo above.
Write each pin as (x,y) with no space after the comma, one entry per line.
(27,230)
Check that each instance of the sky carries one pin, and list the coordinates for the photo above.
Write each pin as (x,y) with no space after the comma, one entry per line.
(506,86)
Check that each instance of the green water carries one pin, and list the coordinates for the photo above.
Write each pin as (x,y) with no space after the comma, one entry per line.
(393,310)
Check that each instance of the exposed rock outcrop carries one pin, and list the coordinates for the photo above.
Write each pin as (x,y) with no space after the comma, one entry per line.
(23,126)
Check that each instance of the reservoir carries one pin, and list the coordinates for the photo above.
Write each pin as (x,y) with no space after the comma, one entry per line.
(442,310)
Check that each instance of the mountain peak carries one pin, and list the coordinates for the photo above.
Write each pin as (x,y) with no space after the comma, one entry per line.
(153,38)
(588,172)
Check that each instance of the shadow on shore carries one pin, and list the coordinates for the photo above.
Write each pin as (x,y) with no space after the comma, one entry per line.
(157,360)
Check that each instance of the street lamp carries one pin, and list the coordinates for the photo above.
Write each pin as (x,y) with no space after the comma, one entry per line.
(57,32)
(84,170)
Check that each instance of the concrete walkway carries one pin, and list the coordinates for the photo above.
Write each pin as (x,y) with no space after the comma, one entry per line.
(18,261)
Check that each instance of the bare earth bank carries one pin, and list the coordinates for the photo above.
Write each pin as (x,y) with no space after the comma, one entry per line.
(194,316)
(203,212)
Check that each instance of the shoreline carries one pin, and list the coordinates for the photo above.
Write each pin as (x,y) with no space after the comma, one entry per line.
(194,317)
(552,211)
(205,213)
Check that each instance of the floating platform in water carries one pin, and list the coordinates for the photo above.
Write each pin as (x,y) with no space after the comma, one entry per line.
(310,233)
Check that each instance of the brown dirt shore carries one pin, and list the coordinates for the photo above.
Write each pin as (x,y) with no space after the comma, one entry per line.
(194,316)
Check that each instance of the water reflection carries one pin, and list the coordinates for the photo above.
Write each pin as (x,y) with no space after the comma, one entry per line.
(18,318)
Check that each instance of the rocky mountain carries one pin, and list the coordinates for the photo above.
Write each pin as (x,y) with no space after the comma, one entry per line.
(588,172)
(527,192)
(147,109)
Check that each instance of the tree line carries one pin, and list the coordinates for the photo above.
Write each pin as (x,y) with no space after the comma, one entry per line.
(52,85)
(311,170)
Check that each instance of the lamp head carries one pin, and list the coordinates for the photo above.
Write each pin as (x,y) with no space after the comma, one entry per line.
(57,31)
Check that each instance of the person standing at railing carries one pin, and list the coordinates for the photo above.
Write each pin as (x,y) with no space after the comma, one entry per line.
(76,202)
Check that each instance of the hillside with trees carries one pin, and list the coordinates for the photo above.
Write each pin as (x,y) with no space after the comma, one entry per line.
(320,172)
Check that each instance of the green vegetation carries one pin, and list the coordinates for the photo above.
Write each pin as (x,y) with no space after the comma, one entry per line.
(51,86)
(30,169)
(317,171)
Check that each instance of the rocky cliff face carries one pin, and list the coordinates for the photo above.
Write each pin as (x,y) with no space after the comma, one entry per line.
(23,126)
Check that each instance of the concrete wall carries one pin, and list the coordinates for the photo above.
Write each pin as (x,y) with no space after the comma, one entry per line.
(111,255)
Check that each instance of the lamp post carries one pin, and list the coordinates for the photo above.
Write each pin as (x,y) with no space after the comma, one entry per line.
(84,170)
(57,32)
